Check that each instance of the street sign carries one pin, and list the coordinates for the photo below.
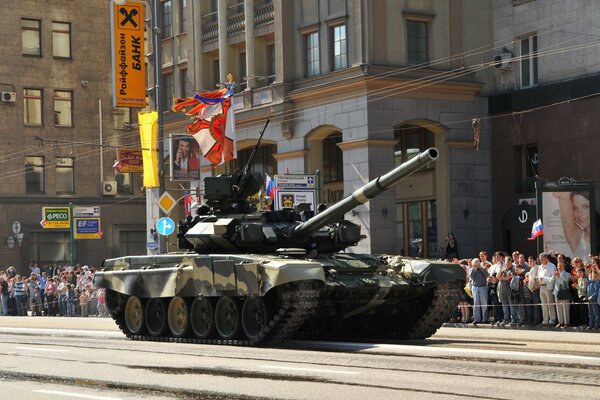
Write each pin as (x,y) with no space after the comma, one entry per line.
(87,228)
(295,181)
(86,211)
(165,226)
(56,218)
(166,202)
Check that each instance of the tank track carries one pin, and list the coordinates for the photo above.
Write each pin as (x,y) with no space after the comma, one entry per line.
(445,299)
(299,300)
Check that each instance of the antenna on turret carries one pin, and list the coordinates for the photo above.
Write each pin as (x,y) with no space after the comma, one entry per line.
(244,175)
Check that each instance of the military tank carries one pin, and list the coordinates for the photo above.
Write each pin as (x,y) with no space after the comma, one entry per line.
(248,277)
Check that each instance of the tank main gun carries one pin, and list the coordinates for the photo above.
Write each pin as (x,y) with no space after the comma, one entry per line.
(365,193)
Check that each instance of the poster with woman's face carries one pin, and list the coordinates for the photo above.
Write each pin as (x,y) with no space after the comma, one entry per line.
(567,222)
(185,158)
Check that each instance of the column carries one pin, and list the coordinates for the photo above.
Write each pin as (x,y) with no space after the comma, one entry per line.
(250,67)
(223,62)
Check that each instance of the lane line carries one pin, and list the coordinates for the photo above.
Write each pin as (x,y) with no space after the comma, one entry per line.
(41,349)
(62,332)
(328,371)
(81,396)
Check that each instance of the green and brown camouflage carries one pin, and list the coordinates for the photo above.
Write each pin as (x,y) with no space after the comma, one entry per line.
(261,277)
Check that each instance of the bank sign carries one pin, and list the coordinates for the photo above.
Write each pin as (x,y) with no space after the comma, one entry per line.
(56,218)
(129,70)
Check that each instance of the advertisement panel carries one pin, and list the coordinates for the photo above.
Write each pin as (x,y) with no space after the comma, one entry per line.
(129,70)
(87,228)
(567,222)
(287,198)
(56,218)
(129,160)
(185,158)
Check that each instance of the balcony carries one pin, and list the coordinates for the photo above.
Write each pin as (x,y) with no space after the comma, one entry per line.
(264,14)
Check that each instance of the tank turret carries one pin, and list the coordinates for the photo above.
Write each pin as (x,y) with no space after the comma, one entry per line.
(227,223)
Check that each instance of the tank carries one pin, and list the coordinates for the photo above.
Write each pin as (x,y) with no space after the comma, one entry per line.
(249,277)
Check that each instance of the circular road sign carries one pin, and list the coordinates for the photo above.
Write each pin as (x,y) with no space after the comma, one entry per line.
(165,226)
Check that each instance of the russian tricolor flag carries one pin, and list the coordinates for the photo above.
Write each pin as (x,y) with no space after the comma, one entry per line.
(537,230)
(270,187)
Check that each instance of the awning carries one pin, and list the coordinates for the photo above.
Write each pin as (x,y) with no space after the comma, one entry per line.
(519,217)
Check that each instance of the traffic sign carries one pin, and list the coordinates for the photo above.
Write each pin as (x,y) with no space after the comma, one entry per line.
(166,202)
(165,226)
(56,217)
(87,228)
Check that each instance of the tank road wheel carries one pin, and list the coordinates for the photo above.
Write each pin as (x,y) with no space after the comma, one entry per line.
(178,317)
(255,317)
(228,318)
(156,317)
(202,317)
(134,315)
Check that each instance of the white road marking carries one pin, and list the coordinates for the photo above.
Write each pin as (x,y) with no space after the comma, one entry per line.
(62,332)
(328,371)
(40,349)
(81,396)
(408,350)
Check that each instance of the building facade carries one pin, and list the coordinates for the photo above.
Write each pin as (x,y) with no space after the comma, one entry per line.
(543,107)
(353,88)
(59,132)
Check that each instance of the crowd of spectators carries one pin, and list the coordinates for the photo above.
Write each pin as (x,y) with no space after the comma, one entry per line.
(52,290)
(549,290)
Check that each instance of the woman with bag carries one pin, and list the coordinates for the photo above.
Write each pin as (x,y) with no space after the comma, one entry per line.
(562,294)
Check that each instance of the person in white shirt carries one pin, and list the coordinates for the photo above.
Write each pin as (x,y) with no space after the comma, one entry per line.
(545,273)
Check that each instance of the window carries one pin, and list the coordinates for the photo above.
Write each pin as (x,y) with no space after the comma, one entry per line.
(412,140)
(332,158)
(340,52)
(32,106)
(312,54)
(45,247)
(167,94)
(416,37)
(216,71)
(124,183)
(34,174)
(186,85)
(264,162)
(242,66)
(131,242)
(167,19)
(416,229)
(30,37)
(61,39)
(271,62)
(183,16)
(63,104)
(529,63)
(64,175)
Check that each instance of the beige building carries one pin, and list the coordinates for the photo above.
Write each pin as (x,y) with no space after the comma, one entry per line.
(59,133)
(352,88)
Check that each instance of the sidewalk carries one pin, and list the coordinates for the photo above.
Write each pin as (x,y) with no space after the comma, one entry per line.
(488,325)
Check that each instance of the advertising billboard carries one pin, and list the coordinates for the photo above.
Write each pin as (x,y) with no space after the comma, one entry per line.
(568,222)
(129,69)
(185,158)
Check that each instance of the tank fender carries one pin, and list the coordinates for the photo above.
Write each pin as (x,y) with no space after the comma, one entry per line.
(279,272)
(436,271)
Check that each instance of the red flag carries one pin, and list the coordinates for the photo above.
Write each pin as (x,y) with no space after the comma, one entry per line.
(187,203)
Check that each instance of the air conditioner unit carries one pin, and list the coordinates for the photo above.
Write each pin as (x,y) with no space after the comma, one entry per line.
(502,61)
(9,97)
(109,188)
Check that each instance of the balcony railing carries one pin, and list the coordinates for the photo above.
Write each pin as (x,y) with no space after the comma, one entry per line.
(236,23)
(264,13)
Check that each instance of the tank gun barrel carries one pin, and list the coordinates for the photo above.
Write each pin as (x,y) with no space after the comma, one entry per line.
(365,193)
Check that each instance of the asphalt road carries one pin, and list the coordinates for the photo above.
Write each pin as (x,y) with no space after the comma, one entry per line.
(88,358)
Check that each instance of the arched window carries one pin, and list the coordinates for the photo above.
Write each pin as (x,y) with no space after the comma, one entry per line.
(412,140)
(332,158)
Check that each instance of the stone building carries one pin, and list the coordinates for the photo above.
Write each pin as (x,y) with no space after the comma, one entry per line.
(543,108)
(352,88)
(55,78)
